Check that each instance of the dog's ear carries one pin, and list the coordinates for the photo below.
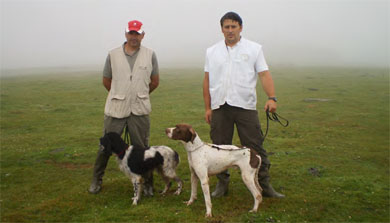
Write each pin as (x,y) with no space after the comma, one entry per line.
(105,143)
(104,140)
(193,133)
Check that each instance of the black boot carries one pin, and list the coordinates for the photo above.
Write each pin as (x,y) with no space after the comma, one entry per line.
(148,184)
(268,190)
(223,184)
(98,171)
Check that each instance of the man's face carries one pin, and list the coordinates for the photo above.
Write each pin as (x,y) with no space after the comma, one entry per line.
(134,39)
(231,30)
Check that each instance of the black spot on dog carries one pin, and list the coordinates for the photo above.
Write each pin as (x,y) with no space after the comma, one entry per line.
(140,166)
(177,157)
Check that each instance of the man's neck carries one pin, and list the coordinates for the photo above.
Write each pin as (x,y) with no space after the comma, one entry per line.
(131,50)
(232,44)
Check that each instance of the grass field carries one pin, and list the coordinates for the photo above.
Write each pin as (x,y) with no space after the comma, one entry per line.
(332,162)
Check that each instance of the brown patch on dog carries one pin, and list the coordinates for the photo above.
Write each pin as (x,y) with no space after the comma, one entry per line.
(254,160)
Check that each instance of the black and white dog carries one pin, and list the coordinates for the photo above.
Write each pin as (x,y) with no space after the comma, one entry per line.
(135,161)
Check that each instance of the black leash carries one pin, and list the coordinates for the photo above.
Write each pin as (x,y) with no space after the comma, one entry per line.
(276,118)
(220,148)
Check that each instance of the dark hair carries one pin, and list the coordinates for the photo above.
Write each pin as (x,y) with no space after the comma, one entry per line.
(233,16)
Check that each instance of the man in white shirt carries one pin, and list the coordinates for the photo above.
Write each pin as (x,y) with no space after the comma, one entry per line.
(229,91)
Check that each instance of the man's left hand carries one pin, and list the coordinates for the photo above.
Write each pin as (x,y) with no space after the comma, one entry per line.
(270,105)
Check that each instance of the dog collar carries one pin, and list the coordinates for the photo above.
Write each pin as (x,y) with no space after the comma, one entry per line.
(197,148)
(122,153)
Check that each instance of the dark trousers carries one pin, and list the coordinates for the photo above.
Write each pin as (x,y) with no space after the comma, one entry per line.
(139,128)
(139,131)
(249,131)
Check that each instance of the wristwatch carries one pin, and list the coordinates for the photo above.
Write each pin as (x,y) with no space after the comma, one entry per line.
(273,99)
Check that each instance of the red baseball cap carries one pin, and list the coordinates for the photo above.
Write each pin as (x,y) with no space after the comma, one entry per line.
(134,25)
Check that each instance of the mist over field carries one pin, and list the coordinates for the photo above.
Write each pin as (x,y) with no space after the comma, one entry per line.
(330,63)
(76,34)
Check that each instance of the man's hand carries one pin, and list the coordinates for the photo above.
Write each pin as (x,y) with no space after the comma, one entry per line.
(270,105)
(208,115)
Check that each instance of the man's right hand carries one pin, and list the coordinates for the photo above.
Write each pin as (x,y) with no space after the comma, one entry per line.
(208,115)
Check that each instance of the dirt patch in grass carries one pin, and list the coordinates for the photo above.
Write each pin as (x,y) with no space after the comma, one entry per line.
(69,165)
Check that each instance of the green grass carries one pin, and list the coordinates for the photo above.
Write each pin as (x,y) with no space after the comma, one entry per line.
(50,126)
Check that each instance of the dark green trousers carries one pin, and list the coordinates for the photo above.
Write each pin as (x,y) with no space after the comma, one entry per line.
(249,131)
(139,130)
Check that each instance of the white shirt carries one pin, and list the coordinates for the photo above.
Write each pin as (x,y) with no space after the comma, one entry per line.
(233,73)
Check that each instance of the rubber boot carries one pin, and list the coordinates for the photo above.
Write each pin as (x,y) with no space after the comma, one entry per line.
(223,184)
(268,190)
(98,171)
(148,184)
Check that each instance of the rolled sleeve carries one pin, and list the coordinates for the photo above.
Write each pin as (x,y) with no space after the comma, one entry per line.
(261,64)
(107,71)
(206,63)
(155,70)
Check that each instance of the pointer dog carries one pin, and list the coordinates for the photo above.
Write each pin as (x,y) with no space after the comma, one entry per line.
(135,161)
(206,160)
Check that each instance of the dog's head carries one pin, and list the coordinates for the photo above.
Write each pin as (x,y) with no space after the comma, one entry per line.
(183,132)
(112,142)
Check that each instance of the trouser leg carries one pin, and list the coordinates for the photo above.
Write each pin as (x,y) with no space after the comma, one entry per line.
(98,171)
(103,155)
(221,133)
(249,131)
(139,130)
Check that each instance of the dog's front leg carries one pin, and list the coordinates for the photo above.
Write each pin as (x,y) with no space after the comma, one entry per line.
(137,184)
(194,188)
(204,181)
(179,185)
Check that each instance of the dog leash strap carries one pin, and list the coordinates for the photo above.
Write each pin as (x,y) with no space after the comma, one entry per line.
(276,118)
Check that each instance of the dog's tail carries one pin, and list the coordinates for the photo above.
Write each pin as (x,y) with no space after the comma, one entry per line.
(177,158)
(257,176)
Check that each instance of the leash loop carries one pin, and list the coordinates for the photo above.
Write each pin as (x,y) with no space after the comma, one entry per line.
(276,118)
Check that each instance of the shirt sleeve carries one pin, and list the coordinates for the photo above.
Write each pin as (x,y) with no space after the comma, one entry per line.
(155,70)
(107,71)
(206,63)
(261,64)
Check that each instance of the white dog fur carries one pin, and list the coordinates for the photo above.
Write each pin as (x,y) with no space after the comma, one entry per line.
(206,160)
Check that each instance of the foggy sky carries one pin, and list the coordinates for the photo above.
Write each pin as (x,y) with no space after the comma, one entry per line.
(51,33)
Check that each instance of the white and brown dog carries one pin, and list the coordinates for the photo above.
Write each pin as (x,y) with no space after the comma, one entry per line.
(206,160)
(135,161)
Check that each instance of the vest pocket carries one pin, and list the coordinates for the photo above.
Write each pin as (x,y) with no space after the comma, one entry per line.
(118,97)
(116,106)
(142,104)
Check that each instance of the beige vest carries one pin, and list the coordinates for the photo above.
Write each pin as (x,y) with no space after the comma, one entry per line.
(129,92)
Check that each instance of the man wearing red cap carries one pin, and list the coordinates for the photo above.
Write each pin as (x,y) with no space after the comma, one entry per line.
(130,74)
